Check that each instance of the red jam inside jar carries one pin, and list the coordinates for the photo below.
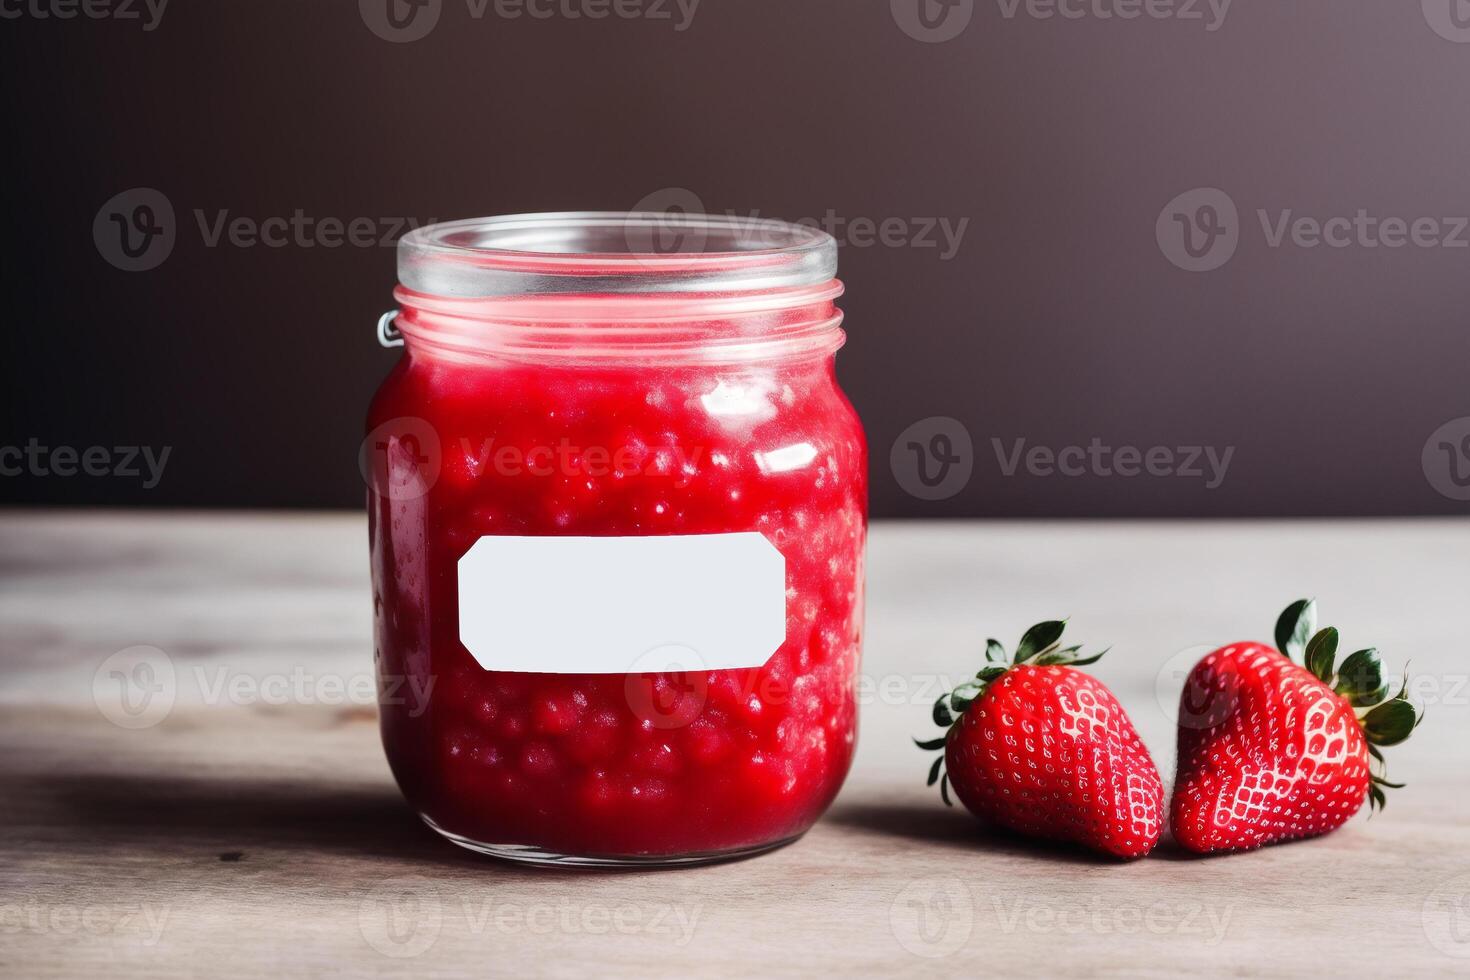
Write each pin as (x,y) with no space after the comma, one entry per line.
(565,378)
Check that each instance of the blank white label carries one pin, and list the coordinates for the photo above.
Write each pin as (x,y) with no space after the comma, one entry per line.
(599,605)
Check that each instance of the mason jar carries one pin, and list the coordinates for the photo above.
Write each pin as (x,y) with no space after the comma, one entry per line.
(617,517)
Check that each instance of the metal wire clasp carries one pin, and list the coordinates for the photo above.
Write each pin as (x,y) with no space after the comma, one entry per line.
(388,335)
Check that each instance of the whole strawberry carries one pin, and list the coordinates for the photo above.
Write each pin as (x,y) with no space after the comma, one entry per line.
(1046,750)
(1270,751)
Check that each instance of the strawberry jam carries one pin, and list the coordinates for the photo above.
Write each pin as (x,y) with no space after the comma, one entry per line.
(565,377)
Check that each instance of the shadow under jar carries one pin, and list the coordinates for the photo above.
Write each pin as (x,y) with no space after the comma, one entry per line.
(617,515)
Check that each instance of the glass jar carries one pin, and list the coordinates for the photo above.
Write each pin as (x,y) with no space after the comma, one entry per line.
(617,521)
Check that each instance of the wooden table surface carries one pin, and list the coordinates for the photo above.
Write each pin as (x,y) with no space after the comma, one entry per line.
(253,829)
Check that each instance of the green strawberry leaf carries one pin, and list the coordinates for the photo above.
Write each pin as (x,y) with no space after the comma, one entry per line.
(1051,657)
(1321,652)
(934,771)
(1295,626)
(1391,722)
(1360,679)
(1084,661)
(961,697)
(1038,638)
(1068,658)
(933,743)
(994,652)
(944,790)
(1373,697)
(942,717)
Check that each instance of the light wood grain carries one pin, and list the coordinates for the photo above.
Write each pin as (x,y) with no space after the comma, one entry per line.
(256,839)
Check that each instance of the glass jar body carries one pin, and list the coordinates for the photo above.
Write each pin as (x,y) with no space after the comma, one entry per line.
(617,766)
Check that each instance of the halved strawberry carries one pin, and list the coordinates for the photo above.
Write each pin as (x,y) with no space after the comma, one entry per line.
(1046,750)
(1270,751)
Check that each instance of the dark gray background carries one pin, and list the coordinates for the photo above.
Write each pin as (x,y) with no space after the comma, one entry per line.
(1059,320)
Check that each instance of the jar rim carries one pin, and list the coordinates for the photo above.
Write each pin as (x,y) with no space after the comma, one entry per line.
(612,252)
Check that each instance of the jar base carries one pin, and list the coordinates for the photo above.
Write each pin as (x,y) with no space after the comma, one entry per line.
(540,857)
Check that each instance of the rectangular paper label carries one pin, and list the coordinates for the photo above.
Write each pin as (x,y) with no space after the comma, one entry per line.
(606,605)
